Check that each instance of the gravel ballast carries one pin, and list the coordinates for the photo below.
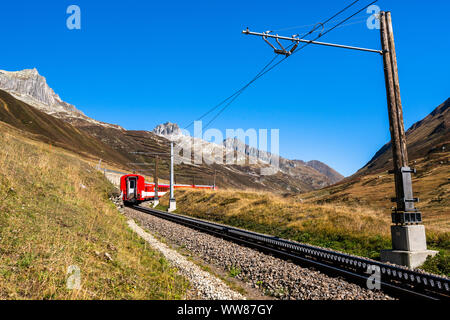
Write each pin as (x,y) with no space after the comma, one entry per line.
(273,276)
(206,285)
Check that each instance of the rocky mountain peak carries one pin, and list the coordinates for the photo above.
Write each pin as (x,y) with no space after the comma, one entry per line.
(168,130)
(323,174)
(23,74)
(30,87)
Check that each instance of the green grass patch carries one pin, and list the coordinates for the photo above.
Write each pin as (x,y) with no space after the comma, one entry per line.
(234,271)
(439,264)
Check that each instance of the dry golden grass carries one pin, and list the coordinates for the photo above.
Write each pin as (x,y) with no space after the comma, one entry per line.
(272,209)
(354,227)
(54,213)
(431,184)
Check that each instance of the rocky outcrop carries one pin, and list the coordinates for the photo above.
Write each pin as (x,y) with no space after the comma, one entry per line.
(32,88)
(29,85)
(168,130)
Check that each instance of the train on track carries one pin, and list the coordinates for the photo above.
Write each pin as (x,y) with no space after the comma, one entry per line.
(135,190)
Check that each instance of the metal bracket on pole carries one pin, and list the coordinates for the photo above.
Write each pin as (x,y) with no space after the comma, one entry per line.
(405,213)
(282,51)
(295,39)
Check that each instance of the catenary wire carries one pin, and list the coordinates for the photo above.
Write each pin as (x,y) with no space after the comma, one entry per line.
(267,67)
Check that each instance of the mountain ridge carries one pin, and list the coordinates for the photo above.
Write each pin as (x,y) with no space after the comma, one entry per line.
(428,145)
(52,130)
(172,131)
(115,147)
(422,138)
(32,88)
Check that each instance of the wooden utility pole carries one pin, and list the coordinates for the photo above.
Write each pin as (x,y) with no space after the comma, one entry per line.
(155,171)
(405,212)
(409,244)
(172,201)
(398,100)
(156,178)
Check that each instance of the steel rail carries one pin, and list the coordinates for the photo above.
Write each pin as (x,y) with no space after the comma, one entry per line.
(396,280)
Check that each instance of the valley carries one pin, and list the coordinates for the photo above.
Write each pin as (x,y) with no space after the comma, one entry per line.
(304,201)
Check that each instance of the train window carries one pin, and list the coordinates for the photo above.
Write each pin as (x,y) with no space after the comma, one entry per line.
(132,184)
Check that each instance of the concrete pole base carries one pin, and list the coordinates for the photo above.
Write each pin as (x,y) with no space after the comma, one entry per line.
(155,203)
(410,259)
(172,205)
(409,246)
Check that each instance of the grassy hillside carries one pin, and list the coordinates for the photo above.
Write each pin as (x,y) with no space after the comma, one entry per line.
(302,177)
(424,137)
(55,213)
(113,146)
(54,131)
(431,184)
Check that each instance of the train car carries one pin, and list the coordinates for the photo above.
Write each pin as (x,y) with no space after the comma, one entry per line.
(135,190)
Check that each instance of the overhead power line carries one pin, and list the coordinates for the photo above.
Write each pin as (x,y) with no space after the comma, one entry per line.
(235,93)
(267,67)
(312,25)
(287,56)
(319,36)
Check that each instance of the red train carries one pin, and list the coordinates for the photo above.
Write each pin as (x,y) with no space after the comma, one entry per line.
(134,189)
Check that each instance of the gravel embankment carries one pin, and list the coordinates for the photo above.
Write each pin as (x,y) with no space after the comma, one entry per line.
(206,285)
(273,276)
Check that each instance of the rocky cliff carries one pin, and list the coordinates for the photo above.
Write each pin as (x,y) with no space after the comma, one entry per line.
(32,88)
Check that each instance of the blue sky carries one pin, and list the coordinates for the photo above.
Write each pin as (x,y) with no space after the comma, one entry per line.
(141,63)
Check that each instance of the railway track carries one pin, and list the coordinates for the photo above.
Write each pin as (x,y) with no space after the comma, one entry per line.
(394,280)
